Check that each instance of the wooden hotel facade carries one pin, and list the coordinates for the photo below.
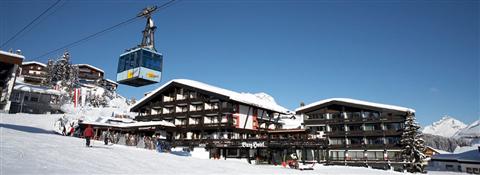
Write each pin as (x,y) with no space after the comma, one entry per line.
(227,124)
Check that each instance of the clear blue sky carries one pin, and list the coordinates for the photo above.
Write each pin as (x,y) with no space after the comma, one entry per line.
(423,55)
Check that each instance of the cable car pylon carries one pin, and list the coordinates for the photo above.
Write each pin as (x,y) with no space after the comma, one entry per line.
(142,65)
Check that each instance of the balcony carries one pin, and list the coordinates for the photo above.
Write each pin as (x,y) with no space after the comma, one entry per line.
(315,121)
(373,133)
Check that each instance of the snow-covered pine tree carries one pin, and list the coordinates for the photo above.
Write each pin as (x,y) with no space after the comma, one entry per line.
(412,145)
(48,77)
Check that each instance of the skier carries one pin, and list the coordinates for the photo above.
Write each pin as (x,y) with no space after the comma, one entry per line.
(88,133)
(64,131)
(72,130)
(106,136)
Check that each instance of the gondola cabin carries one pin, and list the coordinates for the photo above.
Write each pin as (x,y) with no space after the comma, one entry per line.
(139,67)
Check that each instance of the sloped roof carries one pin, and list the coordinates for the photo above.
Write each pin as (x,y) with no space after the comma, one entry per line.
(354,101)
(34,62)
(93,67)
(439,150)
(33,88)
(471,155)
(111,81)
(12,54)
(246,98)
(134,124)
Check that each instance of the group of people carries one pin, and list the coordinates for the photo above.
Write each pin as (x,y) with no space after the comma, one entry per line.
(63,124)
(89,134)
(152,143)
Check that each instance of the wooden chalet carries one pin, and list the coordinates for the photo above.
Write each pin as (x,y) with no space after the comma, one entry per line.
(33,72)
(227,123)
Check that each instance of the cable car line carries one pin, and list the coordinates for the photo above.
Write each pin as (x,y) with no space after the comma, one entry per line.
(52,11)
(28,25)
(75,43)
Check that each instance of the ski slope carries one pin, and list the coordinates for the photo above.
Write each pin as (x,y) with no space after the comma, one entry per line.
(28,146)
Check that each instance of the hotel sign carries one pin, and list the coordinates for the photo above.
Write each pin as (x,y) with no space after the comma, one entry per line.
(253,145)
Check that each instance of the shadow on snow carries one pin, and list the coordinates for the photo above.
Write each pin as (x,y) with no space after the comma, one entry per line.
(26,128)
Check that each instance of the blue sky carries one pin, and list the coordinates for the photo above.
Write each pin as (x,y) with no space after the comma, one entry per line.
(418,54)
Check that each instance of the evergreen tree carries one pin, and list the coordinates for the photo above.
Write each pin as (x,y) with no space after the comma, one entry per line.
(412,145)
(62,72)
(48,77)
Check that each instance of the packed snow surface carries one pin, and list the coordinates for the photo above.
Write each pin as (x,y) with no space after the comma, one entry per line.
(446,127)
(28,146)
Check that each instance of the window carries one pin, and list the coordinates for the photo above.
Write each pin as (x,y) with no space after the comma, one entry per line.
(356,140)
(374,155)
(317,116)
(34,98)
(355,155)
(194,121)
(316,128)
(337,141)
(336,115)
(375,140)
(371,114)
(16,96)
(394,126)
(337,155)
(152,60)
(372,127)
(356,115)
(355,127)
(394,155)
(336,128)
(449,167)
(392,140)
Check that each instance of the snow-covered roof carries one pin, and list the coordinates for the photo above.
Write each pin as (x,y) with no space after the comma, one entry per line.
(37,89)
(93,67)
(470,155)
(111,81)
(246,98)
(128,125)
(439,150)
(358,102)
(34,62)
(12,54)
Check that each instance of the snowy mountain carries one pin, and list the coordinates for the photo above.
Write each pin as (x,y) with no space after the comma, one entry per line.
(446,127)
(471,133)
(472,130)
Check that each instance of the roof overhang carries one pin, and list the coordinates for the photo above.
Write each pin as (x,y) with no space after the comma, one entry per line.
(348,101)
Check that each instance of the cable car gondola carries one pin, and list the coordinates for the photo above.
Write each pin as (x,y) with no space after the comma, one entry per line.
(142,65)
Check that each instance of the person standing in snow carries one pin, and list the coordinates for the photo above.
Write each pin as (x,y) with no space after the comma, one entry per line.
(88,134)
(106,136)
(64,130)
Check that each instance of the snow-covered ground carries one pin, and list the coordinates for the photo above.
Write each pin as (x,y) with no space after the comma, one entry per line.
(28,146)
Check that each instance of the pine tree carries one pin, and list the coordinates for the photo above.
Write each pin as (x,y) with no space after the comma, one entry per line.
(48,77)
(412,145)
